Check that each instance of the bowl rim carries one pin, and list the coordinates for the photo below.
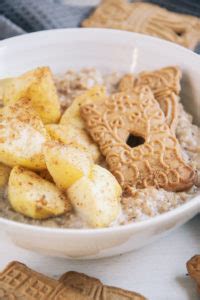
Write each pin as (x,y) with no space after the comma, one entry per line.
(105,31)
(183,208)
(193,203)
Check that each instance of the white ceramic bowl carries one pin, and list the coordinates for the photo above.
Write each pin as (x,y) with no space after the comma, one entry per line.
(107,50)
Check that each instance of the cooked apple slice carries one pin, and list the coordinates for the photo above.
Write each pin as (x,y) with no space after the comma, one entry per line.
(72,113)
(66,163)
(22,136)
(35,197)
(39,87)
(72,120)
(96,198)
(69,133)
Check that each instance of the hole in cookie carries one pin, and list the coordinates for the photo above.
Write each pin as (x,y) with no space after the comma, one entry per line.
(180,32)
(134,141)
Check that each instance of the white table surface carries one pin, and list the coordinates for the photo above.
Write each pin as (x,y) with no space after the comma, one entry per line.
(157,271)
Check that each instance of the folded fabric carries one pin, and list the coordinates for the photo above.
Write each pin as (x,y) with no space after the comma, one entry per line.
(8,28)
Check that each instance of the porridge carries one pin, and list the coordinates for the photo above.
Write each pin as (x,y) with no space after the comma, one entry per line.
(143,203)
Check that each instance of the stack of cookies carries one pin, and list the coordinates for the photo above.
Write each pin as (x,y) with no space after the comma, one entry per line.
(18,282)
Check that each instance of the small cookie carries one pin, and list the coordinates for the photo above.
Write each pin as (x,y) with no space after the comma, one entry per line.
(155,159)
(165,84)
(146,18)
(193,267)
(95,290)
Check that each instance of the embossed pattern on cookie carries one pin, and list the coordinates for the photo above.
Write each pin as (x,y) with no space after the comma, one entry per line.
(87,286)
(26,283)
(148,19)
(95,289)
(6,294)
(18,282)
(165,84)
(157,161)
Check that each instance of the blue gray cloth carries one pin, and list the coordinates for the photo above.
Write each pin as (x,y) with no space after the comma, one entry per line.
(20,16)
(8,28)
(32,15)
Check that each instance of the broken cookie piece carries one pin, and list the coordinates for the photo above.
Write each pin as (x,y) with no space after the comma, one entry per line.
(165,85)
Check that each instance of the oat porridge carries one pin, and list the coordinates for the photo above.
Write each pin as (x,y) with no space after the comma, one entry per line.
(144,202)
